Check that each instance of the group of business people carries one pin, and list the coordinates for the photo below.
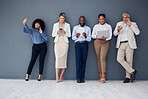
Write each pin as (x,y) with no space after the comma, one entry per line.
(125,31)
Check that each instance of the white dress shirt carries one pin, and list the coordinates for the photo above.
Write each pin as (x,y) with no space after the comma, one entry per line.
(99,27)
(124,33)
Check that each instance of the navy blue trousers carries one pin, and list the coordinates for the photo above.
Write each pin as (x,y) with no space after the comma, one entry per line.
(81,50)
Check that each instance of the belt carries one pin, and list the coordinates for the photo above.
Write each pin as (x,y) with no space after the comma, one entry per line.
(123,41)
(81,42)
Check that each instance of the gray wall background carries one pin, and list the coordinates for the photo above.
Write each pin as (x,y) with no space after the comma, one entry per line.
(15,46)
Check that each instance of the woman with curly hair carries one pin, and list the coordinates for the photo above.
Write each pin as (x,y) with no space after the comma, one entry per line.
(39,47)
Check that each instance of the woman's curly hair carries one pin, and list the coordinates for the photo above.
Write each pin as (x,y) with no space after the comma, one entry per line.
(41,22)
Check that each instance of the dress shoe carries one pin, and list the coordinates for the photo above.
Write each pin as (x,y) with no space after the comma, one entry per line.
(133,76)
(27,78)
(78,81)
(127,80)
(39,79)
(82,81)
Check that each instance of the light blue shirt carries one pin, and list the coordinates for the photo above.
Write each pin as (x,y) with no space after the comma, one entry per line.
(37,37)
(81,38)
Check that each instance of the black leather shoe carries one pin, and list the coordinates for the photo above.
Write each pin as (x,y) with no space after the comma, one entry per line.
(27,79)
(127,80)
(133,76)
(39,79)
(82,81)
(78,81)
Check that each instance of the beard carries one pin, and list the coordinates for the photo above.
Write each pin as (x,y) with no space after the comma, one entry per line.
(82,24)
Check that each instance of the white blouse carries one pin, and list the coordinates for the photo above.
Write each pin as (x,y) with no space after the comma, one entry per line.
(103,27)
(66,29)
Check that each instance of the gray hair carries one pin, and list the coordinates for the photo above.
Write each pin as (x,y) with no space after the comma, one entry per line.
(126,13)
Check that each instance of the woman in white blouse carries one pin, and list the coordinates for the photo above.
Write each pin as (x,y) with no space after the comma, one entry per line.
(101,44)
(61,32)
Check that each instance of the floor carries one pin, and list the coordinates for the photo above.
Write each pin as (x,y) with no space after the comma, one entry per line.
(69,89)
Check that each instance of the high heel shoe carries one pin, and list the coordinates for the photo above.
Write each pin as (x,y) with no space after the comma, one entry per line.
(57,81)
(61,80)
(103,80)
(27,78)
(39,79)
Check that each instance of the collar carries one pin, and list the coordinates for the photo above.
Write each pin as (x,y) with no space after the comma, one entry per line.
(81,26)
(103,24)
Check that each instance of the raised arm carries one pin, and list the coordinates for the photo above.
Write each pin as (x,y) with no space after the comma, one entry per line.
(135,28)
(117,30)
(43,34)
(26,29)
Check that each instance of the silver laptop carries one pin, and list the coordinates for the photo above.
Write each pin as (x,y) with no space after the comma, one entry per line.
(104,33)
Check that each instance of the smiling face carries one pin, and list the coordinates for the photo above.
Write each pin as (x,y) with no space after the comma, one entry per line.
(125,18)
(102,20)
(61,19)
(37,25)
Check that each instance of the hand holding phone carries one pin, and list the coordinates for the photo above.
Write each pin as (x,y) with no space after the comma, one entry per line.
(40,30)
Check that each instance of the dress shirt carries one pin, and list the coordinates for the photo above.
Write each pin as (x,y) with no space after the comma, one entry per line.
(81,37)
(37,37)
(100,27)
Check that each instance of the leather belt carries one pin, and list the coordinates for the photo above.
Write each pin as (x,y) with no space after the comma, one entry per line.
(123,41)
(81,42)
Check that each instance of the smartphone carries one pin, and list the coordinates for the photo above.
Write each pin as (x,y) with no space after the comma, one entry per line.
(60,29)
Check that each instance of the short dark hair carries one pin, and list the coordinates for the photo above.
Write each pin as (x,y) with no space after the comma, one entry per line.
(82,17)
(102,15)
(41,22)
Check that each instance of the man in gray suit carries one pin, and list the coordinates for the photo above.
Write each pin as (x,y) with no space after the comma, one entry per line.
(125,31)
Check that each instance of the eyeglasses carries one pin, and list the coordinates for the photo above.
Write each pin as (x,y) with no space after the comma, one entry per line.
(125,17)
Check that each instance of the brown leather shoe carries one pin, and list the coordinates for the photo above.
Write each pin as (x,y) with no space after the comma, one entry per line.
(133,76)
(82,81)
(78,81)
(127,80)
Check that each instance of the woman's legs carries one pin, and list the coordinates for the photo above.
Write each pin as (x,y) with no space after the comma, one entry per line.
(62,73)
(27,76)
(34,56)
(97,47)
(103,53)
(39,77)
(41,60)
(57,74)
